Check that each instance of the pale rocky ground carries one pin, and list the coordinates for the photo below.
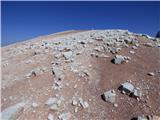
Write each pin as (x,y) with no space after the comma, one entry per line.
(63,77)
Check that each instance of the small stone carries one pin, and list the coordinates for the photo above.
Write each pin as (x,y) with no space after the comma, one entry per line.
(57,56)
(79,52)
(110,96)
(148,117)
(84,104)
(90,66)
(118,59)
(76,109)
(127,87)
(51,101)
(115,105)
(50,117)
(65,116)
(93,54)
(74,102)
(149,44)
(82,42)
(34,105)
(54,107)
(137,93)
(132,52)
(58,83)
(68,55)
(99,39)
(11,97)
(75,86)
(153,117)
(57,72)
(98,48)
(134,47)
(141,118)
(151,74)
(115,50)
(136,44)
(128,41)
(67,84)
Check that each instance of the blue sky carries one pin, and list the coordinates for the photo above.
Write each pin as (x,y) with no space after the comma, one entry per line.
(25,20)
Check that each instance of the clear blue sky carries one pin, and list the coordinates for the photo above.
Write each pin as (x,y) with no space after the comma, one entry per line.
(25,20)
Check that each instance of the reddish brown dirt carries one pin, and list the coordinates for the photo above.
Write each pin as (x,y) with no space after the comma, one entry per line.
(39,88)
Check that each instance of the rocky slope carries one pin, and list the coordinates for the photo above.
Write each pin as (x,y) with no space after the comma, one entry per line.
(82,75)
